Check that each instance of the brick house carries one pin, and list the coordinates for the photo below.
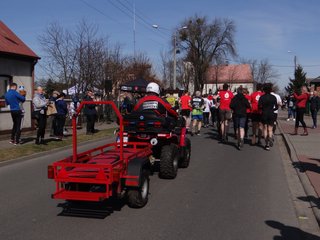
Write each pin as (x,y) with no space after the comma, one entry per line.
(232,74)
(17,62)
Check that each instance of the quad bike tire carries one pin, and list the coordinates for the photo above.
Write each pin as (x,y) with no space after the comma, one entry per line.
(185,154)
(138,197)
(169,161)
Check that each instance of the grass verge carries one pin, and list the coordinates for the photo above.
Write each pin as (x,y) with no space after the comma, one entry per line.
(31,148)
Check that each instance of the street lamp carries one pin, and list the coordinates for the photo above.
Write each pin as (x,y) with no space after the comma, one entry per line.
(174,53)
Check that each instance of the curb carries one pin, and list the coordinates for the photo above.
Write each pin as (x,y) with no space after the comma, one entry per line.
(306,184)
(35,155)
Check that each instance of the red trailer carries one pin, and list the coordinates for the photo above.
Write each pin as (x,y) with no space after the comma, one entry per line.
(111,170)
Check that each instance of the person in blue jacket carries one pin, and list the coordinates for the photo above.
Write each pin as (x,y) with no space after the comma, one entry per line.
(62,110)
(13,99)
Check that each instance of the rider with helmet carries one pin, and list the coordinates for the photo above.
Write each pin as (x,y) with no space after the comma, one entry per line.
(153,102)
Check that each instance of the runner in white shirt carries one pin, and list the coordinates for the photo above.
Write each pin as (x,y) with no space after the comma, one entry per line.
(279,102)
(206,112)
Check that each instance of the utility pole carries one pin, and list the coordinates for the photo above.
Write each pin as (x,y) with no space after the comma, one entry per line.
(175,62)
(134,31)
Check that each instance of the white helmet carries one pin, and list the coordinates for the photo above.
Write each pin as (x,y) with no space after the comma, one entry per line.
(153,87)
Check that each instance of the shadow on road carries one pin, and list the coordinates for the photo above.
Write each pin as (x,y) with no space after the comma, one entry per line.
(303,166)
(289,232)
(90,210)
(312,199)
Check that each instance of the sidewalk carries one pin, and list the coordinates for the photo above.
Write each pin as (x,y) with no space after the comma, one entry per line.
(30,136)
(304,150)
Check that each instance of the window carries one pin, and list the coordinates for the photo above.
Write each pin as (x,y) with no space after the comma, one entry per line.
(4,86)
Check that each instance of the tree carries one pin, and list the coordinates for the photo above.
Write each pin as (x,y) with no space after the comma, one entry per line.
(60,61)
(298,81)
(205,41)
(262,71)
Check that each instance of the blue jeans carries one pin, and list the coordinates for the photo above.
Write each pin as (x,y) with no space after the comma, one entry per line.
(291,112)
(314,114)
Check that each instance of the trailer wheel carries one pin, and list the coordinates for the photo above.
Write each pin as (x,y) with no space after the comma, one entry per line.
(169,161)
(138,197)
(185,154)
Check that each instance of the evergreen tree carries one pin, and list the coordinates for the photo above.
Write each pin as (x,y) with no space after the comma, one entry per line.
(298,81)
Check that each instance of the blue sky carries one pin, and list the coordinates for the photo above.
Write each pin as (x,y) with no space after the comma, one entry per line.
(265,28)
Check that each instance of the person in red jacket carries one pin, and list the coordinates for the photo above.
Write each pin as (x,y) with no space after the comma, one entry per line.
(224,110)
(301,109)
(152,102)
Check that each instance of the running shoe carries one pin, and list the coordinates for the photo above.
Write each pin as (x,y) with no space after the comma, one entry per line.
(267,147)
(271,140)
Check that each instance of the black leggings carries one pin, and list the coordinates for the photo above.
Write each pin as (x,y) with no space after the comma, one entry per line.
(299,117)
(42,122)
(16,128)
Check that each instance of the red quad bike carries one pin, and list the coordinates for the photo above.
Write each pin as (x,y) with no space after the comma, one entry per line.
(166,134)
(111,170)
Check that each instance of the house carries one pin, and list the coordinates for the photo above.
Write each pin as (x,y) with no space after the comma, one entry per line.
(17,62)
(233,74)
(314,83)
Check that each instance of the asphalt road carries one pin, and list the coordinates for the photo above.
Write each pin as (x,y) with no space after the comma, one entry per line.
(224,194)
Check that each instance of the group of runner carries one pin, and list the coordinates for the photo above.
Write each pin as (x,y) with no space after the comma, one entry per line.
(261,107)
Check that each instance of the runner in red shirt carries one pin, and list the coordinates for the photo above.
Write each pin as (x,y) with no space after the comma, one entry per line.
(256,115)
(224,110)
(248,97)
(185,104)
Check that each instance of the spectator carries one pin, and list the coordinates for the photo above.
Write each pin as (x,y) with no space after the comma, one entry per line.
(301,109)
(185,103)
(291,102)
(73,106)
(240,104)
(40,104)
(13,99)
(314,107)
(51,120)
(90,112)
(62,110)
(22,92)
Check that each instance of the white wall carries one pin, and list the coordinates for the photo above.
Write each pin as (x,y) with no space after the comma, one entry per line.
(21,73)
(233,87)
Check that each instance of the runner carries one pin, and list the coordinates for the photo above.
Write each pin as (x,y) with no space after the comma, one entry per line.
(268,104)
(224,111)
(256,115)
(213,107)
(248,97)
(206,111)
(239,104)
(279,103)
(185,104)
(197,112)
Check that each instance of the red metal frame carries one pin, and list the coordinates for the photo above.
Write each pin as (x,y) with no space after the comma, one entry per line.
(105,165)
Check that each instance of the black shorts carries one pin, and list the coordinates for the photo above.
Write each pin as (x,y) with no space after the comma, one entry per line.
(255,117)
(268,118)
(185,112)
(225,115)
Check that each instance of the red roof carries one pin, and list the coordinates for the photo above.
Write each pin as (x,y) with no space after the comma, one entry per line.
(11,44)
(240,73)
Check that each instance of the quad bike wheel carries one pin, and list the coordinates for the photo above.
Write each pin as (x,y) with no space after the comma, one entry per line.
(169,161)
(138,197)
(185,154)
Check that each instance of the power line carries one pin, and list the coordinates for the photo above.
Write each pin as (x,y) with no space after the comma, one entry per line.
(99,11)
(288,66)
(129,13)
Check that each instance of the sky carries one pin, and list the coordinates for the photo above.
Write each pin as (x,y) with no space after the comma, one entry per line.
(264,28)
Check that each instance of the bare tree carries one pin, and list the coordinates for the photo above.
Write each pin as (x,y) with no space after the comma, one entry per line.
(205,41)
(60,60)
